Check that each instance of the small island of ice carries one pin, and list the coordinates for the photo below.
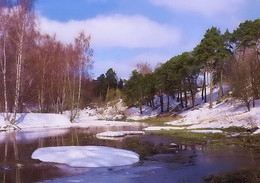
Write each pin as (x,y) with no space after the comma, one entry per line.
(86,156)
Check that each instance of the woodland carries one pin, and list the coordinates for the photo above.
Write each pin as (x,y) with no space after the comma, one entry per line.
(38,73)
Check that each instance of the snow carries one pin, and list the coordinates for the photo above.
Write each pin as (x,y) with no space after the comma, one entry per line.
(223,115)
(157,128)
(133,113)
(44,120)
(206,131)
(39,120)
(119,133)
(226,114)
(112,111)
(256,132)
(29,134)
(86,156)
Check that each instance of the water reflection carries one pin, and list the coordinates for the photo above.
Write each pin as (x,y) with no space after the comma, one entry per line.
(16,148)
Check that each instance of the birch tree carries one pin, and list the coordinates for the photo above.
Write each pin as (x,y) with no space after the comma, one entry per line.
(23,25)
(3,59)
(83,61)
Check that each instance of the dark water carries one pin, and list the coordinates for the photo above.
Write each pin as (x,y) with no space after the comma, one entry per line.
(160,162)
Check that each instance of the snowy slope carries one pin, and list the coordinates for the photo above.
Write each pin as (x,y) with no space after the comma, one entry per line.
(223,115)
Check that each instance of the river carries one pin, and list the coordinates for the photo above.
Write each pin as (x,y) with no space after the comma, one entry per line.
(160,160)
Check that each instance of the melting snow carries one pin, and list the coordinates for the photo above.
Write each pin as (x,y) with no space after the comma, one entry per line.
(222,115)
(86,156)
(119,133)
(206,131)
(156,128)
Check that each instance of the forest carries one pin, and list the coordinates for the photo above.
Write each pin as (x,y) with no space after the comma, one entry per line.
(41,74)
(38,72)
(229,58)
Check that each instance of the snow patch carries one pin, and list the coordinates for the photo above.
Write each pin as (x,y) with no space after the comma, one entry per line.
(206,131)
(157,128)
(256,132)
(40,120)
(86,156)
(119,133)
(223,115)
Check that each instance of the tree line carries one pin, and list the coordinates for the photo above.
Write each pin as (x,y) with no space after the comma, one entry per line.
(40,73)
(230,57)
(36,70)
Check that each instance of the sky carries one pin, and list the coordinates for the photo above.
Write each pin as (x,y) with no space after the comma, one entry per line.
(127,32)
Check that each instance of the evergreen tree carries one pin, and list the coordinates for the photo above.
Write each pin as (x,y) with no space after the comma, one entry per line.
(209,52)
(134,90)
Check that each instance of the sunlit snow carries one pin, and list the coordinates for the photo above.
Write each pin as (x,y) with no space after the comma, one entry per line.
(86,156)
(206,131)
(119,133)
(157,128)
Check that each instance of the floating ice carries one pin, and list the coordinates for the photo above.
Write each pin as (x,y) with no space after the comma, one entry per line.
(86,156)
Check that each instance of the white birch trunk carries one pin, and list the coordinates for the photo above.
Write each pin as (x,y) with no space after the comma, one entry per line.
(18,74)
(4,77)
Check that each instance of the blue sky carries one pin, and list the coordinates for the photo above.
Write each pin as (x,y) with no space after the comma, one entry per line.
(127,32)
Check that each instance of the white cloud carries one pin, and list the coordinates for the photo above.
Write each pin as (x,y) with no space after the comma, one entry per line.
(115,31)
(204,7)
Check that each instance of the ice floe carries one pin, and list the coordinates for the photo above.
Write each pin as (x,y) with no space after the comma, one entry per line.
(86,156)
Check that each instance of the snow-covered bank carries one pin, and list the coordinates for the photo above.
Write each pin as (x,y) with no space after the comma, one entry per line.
(40,120)
(86,156)
(223,115)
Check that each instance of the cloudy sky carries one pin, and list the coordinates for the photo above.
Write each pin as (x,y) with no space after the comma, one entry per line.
(127,32)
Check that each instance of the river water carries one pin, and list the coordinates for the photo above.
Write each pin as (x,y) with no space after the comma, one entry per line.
(159,160)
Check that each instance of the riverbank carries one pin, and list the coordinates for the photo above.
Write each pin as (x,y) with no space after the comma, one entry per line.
(44,120)
(226,114)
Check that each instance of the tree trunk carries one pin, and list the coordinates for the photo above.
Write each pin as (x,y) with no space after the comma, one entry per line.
(4,78)
(73,114)
(211,84)
(205,86)
(79,88)
(107,93)
(248,105)
(63,96)
(141,110)
(41,91)
(168,103)
(186,99)
(173,96)
(161,102)
(18,75)
(181,100)
(220,91)
(192,98)
(191,92)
